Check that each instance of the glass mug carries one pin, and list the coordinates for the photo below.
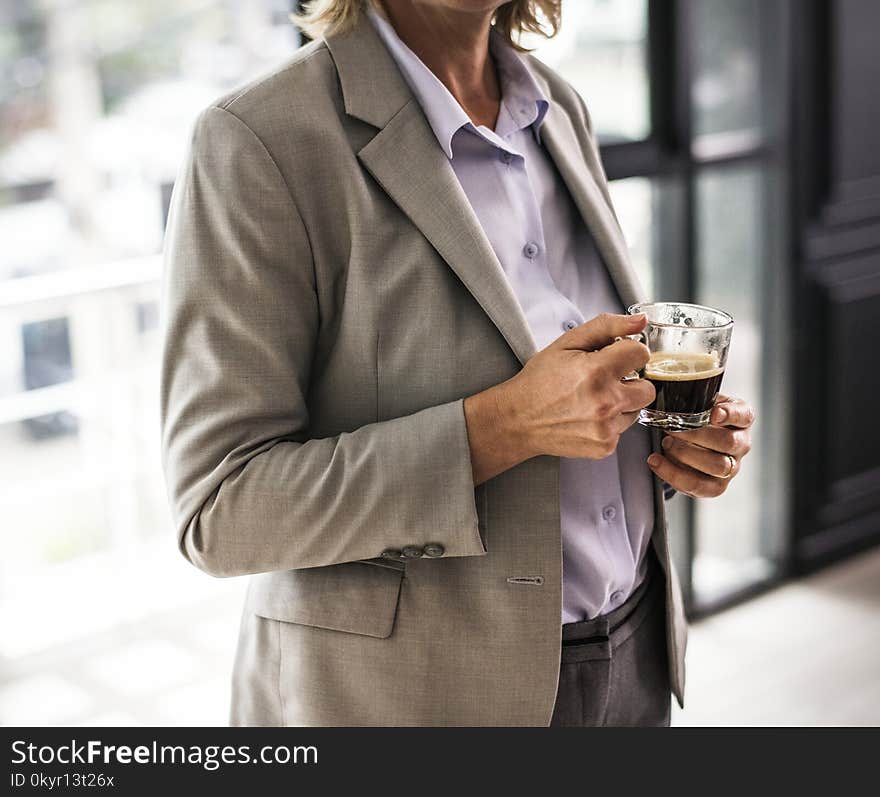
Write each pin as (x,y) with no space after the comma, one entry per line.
(688,345)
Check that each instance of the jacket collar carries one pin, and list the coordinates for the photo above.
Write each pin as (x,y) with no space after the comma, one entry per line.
(373,89)
(523,104)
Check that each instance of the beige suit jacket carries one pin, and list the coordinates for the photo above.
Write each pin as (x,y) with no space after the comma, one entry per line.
(329,299)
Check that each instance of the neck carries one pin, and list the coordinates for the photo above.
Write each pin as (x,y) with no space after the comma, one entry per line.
(454,45)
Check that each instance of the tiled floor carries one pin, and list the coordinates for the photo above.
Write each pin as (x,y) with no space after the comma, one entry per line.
(171,669)
(807,653)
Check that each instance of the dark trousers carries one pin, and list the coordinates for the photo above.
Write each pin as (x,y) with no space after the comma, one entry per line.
(614,668)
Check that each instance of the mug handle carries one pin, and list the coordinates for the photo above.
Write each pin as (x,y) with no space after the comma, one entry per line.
(641,337)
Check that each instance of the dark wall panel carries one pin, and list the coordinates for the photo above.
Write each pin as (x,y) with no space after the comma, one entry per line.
(856,82)
(836,396)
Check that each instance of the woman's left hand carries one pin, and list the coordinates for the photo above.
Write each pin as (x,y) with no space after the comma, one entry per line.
(701,463)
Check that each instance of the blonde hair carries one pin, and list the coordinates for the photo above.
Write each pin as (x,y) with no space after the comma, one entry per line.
(512,20)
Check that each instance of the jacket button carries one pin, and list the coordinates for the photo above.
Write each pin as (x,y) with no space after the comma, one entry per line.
(434,549)
(390,553)
(412,552)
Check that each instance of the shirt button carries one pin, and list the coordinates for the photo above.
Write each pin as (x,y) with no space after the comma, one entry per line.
(434,549)
(506,157)
(530,249)
(390,553)
(412,552)
(616,596)
(609,512)
(569,325)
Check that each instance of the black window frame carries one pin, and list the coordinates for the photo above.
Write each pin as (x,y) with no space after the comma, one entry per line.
(671,151)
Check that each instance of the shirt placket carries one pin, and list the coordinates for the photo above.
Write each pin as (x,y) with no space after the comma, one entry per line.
(550,313)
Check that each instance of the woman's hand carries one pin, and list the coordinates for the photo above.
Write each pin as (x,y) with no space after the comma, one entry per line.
(701,463)
(568,400)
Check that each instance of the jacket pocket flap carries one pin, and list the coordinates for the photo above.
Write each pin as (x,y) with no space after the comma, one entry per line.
(357,597)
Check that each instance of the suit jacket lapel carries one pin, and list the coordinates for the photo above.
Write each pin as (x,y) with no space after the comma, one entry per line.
(560,140)
(406,160)
(409,164)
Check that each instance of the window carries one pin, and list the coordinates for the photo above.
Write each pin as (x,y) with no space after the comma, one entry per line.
(603,49)
(97,98)
(45,362)
(147,315)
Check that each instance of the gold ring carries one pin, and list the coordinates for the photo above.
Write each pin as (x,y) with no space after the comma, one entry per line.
(731,464)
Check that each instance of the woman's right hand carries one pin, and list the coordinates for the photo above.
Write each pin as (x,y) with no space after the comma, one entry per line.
(568,400)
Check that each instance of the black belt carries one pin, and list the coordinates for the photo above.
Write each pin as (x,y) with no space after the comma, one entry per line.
(599,629)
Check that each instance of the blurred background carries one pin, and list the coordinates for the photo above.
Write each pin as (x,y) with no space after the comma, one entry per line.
(740,138)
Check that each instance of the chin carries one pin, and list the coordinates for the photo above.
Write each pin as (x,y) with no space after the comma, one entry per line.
(477,6)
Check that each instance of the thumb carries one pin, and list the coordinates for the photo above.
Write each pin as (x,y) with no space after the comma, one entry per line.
(600,331)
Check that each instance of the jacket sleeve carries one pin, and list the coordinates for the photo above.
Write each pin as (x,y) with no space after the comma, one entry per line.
(249,490)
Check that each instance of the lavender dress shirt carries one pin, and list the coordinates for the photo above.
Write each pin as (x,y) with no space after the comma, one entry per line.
(560,281)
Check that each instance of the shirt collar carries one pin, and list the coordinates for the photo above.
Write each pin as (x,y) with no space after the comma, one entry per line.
(523,103)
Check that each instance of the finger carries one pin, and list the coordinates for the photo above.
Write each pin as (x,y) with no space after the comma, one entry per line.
(600,331)
(702,459)
(685,479)
(733,412)
(622,357)
(623,421)
(718,438)
(637,394)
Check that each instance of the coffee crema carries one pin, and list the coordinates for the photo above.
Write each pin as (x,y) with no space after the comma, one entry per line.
(685,382)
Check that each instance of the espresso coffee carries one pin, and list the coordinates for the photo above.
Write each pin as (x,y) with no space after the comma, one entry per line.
(686,382)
